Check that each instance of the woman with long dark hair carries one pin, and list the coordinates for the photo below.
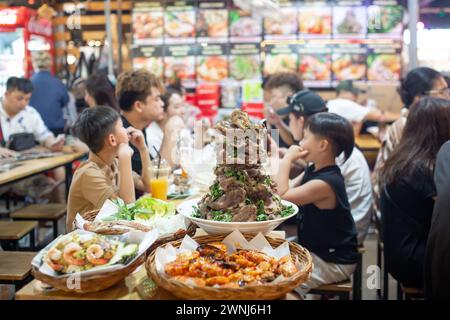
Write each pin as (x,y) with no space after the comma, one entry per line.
(419,82)
(408,191)
(100,92)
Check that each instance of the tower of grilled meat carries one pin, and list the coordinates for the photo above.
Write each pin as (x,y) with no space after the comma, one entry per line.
(242,191)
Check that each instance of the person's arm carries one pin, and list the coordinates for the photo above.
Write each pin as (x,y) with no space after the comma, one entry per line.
(282,178)
(313,191)
(285,133)
(6,153)
(137,139)
(381,116)
(126,183)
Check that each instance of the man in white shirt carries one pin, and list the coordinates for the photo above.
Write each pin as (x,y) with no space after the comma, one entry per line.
(346,106)
(17,117)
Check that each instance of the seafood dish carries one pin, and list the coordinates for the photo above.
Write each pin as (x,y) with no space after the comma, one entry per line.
(180,24)
(348,66)
(212,23)
(241,192)
(210,265)
(214,68)
(76,252)
(280,63)
(383,67)
(315,67)
(147,25)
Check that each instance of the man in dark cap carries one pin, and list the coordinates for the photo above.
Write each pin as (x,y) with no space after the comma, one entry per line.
(437,262)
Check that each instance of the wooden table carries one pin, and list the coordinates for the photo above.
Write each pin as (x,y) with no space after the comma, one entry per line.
(369,146)
(16,230)
(15,266)
(367,142)
(136,286)
(29,168)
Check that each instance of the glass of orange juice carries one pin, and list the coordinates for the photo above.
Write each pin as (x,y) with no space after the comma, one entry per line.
(159,179)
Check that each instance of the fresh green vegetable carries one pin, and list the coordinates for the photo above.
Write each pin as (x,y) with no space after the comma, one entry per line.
(268,181)
(248,201)
(235,173)
(144,208)
(221,216)
(197,213)
(260,211)
(287,211)
(216,192)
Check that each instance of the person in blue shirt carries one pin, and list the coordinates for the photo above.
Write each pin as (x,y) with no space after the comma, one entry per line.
(50,95)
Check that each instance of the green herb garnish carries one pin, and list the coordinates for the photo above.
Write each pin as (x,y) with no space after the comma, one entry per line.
(197,213)
(221,216)
(216,192)
(287,211)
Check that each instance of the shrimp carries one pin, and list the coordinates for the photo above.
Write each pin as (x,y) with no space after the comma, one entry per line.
(52,259)
(286,266)
(69,254)
(94,254)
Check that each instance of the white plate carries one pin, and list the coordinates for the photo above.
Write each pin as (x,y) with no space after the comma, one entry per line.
(220,227)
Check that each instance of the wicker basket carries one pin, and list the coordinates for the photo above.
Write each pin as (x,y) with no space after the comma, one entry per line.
(252,292)
(90,216)
(89,283)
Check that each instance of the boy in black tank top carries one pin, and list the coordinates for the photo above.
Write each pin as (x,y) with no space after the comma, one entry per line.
(326,226)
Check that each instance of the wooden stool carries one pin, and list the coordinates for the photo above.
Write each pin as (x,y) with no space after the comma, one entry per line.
(344,288)
(340,289)
(42,212)
(407,293)
(16,230)
(15,267)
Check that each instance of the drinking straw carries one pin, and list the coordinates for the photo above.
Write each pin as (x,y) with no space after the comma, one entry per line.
(159,161)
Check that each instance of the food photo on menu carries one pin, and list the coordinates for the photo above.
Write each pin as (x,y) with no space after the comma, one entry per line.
(212,23)
(315,21)
(383,67)
(349,21)
(179,23)
(348,66)
(243,24)
(284,22)
(147,25)
(385,21)
(315,67)
(212,68)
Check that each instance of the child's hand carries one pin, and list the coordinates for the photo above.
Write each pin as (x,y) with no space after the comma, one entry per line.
(295,153)
(136,138)
(296,126)
(124,151)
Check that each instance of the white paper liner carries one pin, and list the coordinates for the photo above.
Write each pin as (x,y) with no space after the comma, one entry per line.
(164,225)
(144,239)
(235,240)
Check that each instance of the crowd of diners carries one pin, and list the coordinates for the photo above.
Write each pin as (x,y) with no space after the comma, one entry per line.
(125,124)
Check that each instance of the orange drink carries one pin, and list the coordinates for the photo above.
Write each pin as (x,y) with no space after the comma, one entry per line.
(159,188)
(159,179)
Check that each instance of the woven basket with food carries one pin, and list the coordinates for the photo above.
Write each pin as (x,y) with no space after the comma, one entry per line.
(83,261)
(145,214)
(230,267)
